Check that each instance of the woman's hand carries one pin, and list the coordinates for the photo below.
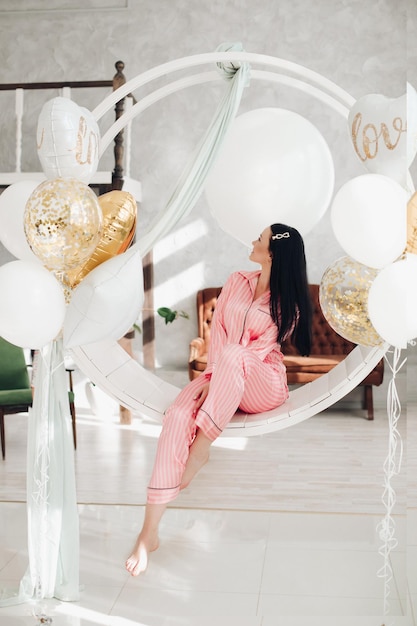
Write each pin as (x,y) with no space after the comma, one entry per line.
(200,397)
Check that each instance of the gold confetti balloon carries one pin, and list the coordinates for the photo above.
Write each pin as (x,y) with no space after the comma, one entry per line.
(412,224)
(343,295)
(63,223)
(119,223)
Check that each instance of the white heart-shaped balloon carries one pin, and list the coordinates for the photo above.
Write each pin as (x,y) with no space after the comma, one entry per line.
(107,302)
(68,140)
(378,128)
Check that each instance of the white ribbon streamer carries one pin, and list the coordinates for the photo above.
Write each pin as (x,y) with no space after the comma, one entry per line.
(392,467)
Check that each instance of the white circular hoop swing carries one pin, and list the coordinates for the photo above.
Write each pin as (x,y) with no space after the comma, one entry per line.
(124,379)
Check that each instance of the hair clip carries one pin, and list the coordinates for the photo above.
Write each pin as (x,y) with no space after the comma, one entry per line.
(281,235)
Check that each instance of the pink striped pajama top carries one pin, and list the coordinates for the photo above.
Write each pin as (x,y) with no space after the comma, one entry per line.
(245,371)
(239,320)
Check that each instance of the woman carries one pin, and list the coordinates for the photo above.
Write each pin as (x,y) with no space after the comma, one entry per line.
(254,313)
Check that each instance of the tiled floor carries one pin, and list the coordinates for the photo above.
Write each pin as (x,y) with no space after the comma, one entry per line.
(253,568)
(227,564)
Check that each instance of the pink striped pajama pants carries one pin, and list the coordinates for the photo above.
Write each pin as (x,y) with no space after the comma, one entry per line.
(240,380)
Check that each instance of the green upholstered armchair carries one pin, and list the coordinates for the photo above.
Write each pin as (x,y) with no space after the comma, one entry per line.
(15,387)
(15,391)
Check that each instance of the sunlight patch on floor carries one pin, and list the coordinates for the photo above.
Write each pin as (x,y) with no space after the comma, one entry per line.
(75,611)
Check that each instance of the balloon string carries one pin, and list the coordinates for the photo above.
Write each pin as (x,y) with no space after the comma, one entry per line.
(392,467)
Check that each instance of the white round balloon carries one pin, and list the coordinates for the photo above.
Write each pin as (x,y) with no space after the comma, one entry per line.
(12,208)
(32,307)
(274,166)
(369,219)
(392,302)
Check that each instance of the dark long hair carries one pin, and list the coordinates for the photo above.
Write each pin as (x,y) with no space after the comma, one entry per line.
(290,302)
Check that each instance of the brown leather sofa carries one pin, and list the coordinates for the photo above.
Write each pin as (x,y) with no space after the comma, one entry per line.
(328,348)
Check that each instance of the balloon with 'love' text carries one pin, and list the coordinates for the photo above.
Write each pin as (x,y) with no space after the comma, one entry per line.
(68,140)
(378,128)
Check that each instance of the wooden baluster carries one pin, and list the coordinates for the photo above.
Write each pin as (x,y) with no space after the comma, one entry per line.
(117,175)
(119,79)
(148,331)
(148,317)
(19,136)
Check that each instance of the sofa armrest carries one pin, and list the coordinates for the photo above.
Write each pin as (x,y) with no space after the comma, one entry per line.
(197,348)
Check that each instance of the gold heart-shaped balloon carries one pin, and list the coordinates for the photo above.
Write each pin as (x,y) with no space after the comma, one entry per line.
(412,224)
(119,224)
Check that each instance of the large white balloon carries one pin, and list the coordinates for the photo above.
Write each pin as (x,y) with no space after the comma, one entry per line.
(12,208)
(369,219)
(274,166)
(68,140)
(107,302)
(378,128)
(392,302)
(32,307)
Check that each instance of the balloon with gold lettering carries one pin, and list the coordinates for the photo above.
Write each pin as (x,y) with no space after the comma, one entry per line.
(343,297)
(412,224)
(63,223)
(378,128)
(119,223)
(68,140)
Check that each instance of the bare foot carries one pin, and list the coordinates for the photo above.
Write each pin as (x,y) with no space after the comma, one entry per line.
(138,560)
(194,464)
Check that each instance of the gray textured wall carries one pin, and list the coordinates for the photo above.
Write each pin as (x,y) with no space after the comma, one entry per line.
(359,45)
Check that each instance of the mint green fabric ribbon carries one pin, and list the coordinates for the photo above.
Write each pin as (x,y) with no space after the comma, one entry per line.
(53,534)
(191,183)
